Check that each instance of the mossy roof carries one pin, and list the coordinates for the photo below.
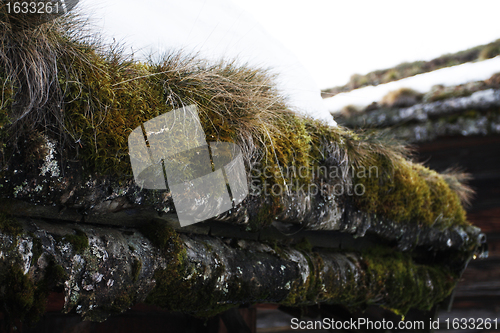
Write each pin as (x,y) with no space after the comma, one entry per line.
(69,104)
(478,114)
(89,98)
(404,70)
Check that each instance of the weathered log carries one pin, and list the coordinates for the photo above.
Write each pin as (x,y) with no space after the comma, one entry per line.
(198,274)
(461,132)
(73,218)
(476,114)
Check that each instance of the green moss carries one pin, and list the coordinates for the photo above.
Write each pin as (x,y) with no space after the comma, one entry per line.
(109,97)
(105,97)
(173,290)
(304,245)
(165,238)
(383,277)
(401,97)
(311,289)
(19,292)
(405,284)
(390,184)
(79,240)
(412,193)
(390,75)
(278,249)
(490,51)
(37,248)
(169,242)
(136,269)
(101,114)
(22,299)
(120,303)
(57,274)
(9,225)
(266,214)
(350,111)
(358,81)
(443,94)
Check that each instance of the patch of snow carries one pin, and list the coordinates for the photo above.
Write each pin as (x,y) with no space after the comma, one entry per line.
(215,29)
(460,74)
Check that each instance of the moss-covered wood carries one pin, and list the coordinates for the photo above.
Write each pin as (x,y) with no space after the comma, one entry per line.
(65,139)
(202,275)
(403,70)
(468,110)
(68,106)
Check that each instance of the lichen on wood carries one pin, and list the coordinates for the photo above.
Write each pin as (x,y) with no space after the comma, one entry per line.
(204,275)
(101,96)
(72,218)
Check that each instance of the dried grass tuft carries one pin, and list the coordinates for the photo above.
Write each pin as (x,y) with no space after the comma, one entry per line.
(401,98)
(458,181)
(63,84)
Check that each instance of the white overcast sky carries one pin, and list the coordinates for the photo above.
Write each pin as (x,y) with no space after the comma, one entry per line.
(334,39)
(310,44)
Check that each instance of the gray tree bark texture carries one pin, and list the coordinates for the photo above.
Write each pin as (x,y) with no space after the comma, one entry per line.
(425,122)
(108,244)
(104,270)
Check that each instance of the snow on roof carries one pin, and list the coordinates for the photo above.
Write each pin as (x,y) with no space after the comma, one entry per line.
(468,72)
(215,29)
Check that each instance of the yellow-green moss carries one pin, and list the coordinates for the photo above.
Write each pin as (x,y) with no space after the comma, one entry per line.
(406,69)
(37,248)
(411,193)
(405,283)
(108,98)
(169,242)
(383,277)
(176,292)
(390,75)
(79,240)
(401,97)
(266,214)
(136,269)
(105,97)
(392,185)
(121,303)
(9,225)
(56,273)
(310,290)
(491,50)
(19,292)
(22,299)
(304,245)
(196,298)
(100,116)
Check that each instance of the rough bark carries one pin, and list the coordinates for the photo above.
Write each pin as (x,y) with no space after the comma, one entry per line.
(426,121)
(201,274)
